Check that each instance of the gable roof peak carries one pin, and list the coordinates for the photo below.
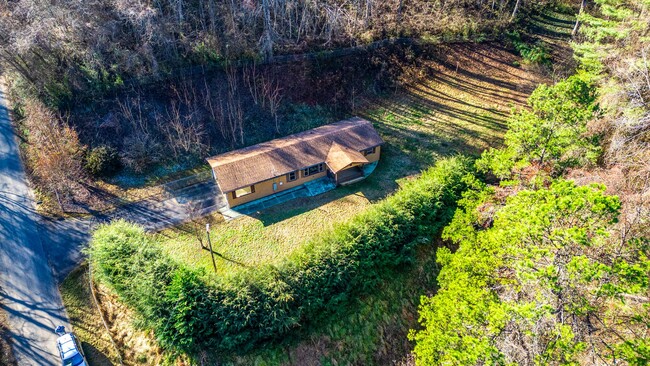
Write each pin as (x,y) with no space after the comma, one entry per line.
(270,159)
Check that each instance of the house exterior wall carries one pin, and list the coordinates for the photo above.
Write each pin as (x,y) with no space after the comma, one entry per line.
(374,157)
(265,188)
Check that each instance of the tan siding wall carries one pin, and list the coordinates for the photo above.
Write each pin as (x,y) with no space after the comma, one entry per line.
(265,188)
(375,156)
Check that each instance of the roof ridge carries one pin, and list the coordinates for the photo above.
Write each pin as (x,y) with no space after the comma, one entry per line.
(263,147)
(273,158)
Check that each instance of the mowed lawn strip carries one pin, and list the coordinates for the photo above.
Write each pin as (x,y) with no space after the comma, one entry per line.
(459,104)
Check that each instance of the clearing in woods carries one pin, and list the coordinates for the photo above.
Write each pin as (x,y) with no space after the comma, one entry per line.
(459,104)
(456,101)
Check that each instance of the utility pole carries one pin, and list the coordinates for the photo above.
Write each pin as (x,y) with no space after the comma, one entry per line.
(207,231)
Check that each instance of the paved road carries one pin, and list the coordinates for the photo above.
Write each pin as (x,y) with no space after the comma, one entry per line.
(29,244)
(28,291)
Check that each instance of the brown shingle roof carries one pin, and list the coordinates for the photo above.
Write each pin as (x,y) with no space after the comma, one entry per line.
(257,163)
(340,157)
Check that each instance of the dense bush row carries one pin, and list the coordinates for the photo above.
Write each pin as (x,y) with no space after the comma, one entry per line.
(189,313)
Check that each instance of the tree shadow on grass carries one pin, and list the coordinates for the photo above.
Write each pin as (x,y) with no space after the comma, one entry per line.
(96,357)
(541,26)
(395,163)
(241,264)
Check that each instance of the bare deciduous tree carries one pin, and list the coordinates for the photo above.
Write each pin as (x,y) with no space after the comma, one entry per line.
(213,103)
(264,90)
(197,226)
(515,10)
(576,27)
(54,152)
(235,112)
(142,148)
(43,41)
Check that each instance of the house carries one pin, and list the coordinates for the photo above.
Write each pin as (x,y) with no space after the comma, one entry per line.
(339,151)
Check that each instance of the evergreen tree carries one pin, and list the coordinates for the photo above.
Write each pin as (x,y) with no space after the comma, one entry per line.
(552,134)
(534,286)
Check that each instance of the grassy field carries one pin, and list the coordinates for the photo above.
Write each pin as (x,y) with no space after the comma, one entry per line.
(458,105)
(456,101)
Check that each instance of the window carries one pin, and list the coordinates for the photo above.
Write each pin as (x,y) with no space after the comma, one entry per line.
(292,176)
(243,191)
(74,360)
(368,151)
(314,169)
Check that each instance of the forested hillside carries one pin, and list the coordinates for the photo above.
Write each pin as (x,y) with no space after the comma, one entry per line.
(547,271)
(507,222)
(64,48)
(160,84)
(145,89)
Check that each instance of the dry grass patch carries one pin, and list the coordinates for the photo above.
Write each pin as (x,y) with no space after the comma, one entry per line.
(136,346)
(85,319)
(104,195)
(6,353)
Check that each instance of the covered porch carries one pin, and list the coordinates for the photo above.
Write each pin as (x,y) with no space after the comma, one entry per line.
(345,166)
(349,176)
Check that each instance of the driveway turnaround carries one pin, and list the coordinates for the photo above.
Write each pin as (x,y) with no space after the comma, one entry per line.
(28,292)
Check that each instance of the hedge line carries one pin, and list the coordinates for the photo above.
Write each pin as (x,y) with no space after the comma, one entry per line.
(189,314)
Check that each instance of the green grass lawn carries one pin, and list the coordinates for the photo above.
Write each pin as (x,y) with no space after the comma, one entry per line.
(456,102)
(451,111)
(251,241)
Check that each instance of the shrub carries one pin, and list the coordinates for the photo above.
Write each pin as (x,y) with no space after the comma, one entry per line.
(123,256)
(142,151)
(534,53)
(54,152)
(102,161)
(266,303)
(553,133)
